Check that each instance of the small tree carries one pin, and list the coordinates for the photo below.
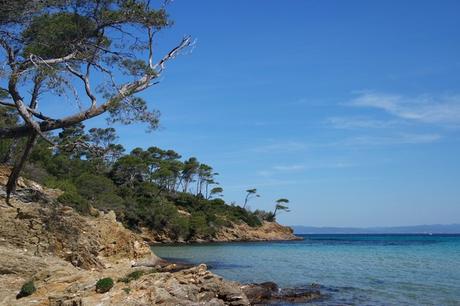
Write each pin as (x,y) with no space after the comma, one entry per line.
(189,170)
(216,191)
(250,193)
(281,206)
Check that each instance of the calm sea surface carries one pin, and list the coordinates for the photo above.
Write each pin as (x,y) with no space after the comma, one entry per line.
(351,269)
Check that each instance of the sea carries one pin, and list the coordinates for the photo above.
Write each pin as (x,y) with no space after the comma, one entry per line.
(350,269)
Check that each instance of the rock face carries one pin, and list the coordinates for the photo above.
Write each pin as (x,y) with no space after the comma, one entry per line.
(267,232)
(49,228)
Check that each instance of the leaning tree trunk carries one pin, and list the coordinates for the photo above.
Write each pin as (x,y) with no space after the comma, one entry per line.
(8,158)
(14,175)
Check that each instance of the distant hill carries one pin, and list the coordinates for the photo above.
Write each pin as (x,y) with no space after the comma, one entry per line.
(416,229)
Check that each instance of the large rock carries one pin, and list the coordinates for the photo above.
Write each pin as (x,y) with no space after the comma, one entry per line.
(269,293)
(269,231)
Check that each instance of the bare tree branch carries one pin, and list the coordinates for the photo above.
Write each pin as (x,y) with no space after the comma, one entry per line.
(85,79)
(186,41)
(150,34)
(34,59)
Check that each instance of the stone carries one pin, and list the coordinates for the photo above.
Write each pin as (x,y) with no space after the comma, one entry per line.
(65,301)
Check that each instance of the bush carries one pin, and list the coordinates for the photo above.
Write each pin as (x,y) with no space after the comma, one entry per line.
(108,201)
(75,201)
(264,215)
(127,290)
(90,185)
(199,226)
(26,290)
(180,227)
(104,285)
(158,214)
(135,275)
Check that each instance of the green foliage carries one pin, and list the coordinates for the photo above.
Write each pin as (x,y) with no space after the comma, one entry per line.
(76,201)
(91,185)
(157,214)
(135,275)
(264,215)
(26,290)
(250,193)
(281,206)
(216,191)
(70,197)
(127,290)
(199,226)
(141,187)
(104,285)
(57,35)
(217,213)
(128,170)
(99,190)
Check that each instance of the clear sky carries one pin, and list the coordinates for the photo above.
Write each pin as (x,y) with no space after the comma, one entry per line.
(350,109)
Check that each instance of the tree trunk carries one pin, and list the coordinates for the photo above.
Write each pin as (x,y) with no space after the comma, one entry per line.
(246,201)
(8,158)
(186,185)
(14,175)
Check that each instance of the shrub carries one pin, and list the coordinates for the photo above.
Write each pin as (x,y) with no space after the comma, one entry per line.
(108,201)
(135,275)
(180,227)
(104,285)
(264,215)
(199,225)
(26,290)
(76,201)
(90,185)
(127,290)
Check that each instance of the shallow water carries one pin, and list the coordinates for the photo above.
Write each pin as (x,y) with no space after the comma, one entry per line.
(351,269)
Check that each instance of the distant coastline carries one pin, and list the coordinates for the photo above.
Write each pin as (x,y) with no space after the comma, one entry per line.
(415,229)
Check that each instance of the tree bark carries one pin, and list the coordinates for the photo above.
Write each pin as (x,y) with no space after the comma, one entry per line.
(8,158)
(14,175)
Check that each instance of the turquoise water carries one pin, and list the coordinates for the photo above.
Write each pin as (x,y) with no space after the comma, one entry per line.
(351,269)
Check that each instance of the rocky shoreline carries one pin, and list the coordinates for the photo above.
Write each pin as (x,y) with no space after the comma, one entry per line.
(64,255)
(269,231)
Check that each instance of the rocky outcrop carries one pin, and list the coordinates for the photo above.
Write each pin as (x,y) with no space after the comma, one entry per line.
(269,231)
(62,284)
(269,293)
(50,228)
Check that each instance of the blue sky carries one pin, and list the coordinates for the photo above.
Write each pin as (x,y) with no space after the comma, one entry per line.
(350,109)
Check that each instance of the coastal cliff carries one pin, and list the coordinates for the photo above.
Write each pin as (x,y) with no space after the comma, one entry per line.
(235,232)
(64,254)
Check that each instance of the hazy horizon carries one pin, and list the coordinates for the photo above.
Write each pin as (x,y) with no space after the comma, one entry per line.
(450,229)
(350,109)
